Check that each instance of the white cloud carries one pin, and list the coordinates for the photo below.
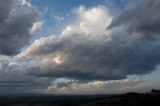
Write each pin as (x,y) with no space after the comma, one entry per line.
(58,18)
(25,2)
(36,27)
(94,21)
(91,21)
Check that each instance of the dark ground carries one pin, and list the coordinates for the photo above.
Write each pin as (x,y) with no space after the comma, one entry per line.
(129,99)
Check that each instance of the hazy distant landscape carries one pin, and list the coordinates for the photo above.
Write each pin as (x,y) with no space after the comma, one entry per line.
(128,99)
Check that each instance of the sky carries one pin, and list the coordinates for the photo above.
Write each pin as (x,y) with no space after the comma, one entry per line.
(79,46)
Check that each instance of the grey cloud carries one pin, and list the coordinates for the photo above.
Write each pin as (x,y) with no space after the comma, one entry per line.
(141,18)
(108,61)
(125,52)
(15,23)
(14,78)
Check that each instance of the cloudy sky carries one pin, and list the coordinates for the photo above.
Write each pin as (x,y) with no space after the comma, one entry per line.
(79,46)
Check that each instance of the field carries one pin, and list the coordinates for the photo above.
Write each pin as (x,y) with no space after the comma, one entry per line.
(129,99)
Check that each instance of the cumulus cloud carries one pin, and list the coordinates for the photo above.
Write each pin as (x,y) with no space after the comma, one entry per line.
(99,46)
(17,17)
(74,50)
(94,49)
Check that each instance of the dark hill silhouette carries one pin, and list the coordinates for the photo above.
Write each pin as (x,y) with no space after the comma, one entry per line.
(128,99)
(155,91)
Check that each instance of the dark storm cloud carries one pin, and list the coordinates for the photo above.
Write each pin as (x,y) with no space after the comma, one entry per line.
(126,51)
(14,78)
(75,74)
(142,18)
(108,61)
(16,20)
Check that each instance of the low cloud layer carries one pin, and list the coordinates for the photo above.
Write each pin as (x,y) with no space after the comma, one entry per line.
(69,86)
(17,18)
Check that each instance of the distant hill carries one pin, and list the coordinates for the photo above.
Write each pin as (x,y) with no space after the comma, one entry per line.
(128,99)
